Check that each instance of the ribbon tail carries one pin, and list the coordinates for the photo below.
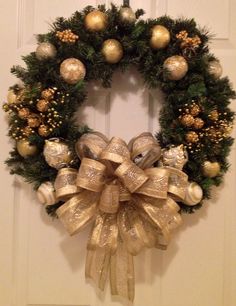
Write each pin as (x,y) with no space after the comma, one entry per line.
(97,266)
(122,273)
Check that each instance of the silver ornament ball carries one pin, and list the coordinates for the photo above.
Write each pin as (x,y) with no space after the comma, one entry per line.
(127,15)
(215,69)
(72,70)
(45,51)
(176,66)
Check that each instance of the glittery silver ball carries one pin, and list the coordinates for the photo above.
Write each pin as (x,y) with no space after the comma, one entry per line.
(72,70)
(215,69)
(45,51)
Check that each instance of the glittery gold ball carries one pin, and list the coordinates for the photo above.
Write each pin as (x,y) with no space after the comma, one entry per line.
(57,153)
(45,51)
(160,37)
(176,67)
(33,120)
(42,105)
(215,69)
(72,70)
(214,115)
(195,110)
(198,123)
(25,149)
(48,94)
(192,137)
(211,169)
(23,113)
(112,51)
(96,21)
(127,15)
(187,120)
(43,130)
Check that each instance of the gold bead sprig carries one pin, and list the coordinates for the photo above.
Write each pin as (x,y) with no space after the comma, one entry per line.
(188,44)
(67,36)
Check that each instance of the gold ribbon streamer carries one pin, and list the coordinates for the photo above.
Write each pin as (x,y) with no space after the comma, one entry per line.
(132,202)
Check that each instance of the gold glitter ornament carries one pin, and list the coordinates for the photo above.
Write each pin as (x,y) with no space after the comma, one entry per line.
(45,51)
(127,15)
(72,70)
(192,137)
(48,94)
(187,120)
(211,169)
(193,194)
(214,115)
(215,69)
(160,37)
(96,21)
(43,130)
(198,123)
(34,120)
(195,110)
(42,105)
(57,153)
(112,51)
(25,149)
(176,67)
(24,113)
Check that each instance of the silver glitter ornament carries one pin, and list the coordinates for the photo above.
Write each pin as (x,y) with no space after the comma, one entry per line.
(72,70)
(45,51)
(175,157)
(215,69)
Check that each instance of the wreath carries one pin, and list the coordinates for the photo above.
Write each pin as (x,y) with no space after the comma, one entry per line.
(130,191)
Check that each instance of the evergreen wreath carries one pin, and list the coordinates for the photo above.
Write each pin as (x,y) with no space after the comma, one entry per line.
(172,55)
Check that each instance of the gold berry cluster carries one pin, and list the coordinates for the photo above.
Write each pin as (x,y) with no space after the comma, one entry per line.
(188,44)
(67,36)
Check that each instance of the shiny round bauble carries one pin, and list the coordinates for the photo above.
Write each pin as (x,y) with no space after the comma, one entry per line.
(176,67)
(193,194)
(187,120)
(34,120)
(57,153)
(198,123)
(12,97)
(175,157)
(72,70)
(45,51)
(160,37)
(195,110)
(215,69)
(48,94)
(24,113)
(214,115)
(112,51)
(127,15)
(46,194)
(96,21)
(211,169)
(192,137)
(25,148)
(42,105)
(43,130)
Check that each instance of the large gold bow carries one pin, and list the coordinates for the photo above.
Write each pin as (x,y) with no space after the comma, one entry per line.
(133,204)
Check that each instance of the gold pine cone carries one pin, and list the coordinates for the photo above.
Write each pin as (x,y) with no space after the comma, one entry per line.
(195,110)
(43,130)
(42,105)
(198,123)
(34,120)
(214,115)
(187,120)
(192,137)
(24,113)
(48,94)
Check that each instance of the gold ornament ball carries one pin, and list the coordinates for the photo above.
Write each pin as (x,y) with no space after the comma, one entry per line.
(11,97)
(34,120)
(42,105)
(211,169)
(96,21)
(45,51)
(25,149)
(195,110)
(127,15)
(72,70)
(176,66)
(215,69)
(193,194)
(43,130)
(198,123)
(187,120)
(48,94)
(24,113)
(57,153)
(112,51)
(192,137)
(214,115)
(160,37)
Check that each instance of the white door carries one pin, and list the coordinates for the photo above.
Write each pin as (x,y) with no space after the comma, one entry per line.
(40,265)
